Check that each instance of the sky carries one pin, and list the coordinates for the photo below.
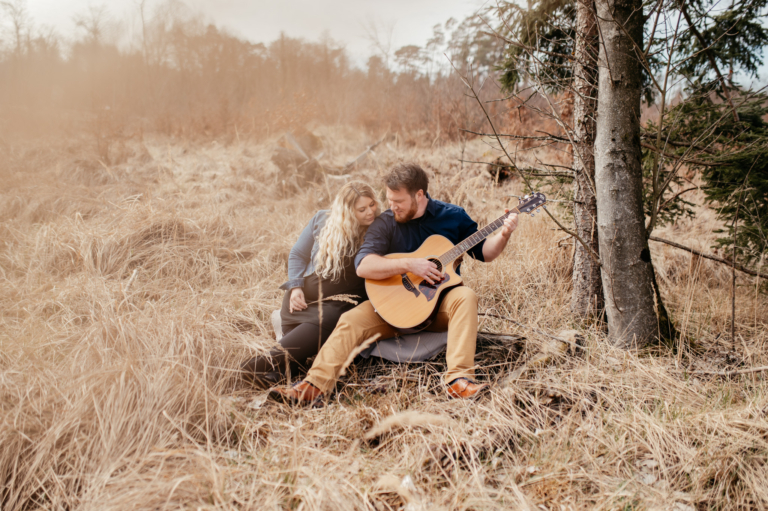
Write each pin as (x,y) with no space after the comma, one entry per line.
(263,20)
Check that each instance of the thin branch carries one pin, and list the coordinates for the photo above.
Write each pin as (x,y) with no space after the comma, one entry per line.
(729,373)
(556,116)
(682,159)
(529,49)
(656,168)
(653,30)
(553,138)
(650,136)
(711,257)
(712,128)
(557,166)
(530,171)
(708,51)
(733,266)
(512,164)
(675,196)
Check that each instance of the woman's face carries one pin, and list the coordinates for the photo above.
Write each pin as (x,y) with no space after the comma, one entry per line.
(365,211)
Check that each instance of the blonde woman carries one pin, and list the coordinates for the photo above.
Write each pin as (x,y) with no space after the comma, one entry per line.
(321,260)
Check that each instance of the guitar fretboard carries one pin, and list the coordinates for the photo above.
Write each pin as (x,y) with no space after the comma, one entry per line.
(473,240)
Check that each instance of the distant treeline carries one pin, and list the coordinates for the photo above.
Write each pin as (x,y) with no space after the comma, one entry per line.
(180,75)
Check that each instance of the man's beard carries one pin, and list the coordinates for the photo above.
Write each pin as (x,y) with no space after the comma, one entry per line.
(408,216)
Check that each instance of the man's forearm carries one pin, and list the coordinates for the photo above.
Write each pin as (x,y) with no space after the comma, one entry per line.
(494,246)
(376,267)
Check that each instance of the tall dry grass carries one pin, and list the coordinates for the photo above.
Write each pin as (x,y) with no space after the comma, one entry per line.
(130,293)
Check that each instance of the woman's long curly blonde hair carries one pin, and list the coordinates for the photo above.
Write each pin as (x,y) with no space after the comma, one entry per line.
(342,234)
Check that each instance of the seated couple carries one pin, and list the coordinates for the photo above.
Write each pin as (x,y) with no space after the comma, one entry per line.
(342,247)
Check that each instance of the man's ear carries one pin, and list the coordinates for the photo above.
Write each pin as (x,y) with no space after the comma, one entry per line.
(420,194)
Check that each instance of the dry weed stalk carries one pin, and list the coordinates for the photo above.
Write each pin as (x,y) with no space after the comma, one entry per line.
(355,352)
(340,298)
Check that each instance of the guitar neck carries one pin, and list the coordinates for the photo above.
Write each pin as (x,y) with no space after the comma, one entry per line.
(461,248)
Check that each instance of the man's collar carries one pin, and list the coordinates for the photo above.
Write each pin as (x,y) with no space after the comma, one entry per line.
(431,206)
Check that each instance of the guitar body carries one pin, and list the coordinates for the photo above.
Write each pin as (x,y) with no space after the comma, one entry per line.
(407,301)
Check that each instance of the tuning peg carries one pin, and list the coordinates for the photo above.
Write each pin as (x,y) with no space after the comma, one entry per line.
(544,206)
(526,197)
(538,210)
(533,214)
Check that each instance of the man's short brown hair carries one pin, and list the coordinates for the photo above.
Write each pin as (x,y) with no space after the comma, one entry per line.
(407,175)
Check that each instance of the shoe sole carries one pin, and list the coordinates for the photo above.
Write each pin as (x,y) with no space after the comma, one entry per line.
(480,393)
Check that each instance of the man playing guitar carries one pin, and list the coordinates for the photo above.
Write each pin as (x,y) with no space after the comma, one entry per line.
(412,218)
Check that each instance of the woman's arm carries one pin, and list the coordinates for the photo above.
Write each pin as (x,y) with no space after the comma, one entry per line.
(300,256)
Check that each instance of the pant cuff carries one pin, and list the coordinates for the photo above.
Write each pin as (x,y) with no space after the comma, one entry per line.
(323,384)
(452,375)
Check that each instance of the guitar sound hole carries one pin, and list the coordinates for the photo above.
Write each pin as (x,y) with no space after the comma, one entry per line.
(437,263)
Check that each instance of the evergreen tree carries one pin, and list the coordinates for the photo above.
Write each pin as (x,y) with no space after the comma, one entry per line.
(726,119)
(716,130)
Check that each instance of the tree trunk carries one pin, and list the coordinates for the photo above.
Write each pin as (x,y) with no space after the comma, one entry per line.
(627,273)
(587,298)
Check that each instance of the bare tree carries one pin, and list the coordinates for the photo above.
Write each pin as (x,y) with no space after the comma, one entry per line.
(94,22)
(380,35)
(16,11)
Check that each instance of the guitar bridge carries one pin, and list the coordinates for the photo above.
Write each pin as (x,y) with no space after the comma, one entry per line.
(407,284)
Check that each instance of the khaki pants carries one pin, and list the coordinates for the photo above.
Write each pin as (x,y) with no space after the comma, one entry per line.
(457,314)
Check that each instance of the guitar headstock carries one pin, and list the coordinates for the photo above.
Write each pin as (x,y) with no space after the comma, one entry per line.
(530,203)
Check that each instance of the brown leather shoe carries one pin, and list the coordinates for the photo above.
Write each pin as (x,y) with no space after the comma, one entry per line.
(303,393)
(466,389)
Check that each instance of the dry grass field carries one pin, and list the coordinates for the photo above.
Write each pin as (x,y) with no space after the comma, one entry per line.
(130,292)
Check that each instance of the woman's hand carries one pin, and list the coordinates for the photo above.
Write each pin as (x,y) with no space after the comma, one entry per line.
(297,302)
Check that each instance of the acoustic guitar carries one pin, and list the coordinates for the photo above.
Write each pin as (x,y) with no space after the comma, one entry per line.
(407,301)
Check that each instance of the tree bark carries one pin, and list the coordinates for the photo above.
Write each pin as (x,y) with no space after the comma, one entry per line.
(587,297)
(627,273)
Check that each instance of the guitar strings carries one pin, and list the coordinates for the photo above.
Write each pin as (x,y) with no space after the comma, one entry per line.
(474,239)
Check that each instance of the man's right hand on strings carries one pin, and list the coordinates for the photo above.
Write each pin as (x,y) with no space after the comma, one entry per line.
(425,269)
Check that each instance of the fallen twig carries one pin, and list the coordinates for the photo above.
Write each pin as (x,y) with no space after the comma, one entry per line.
(540,332)
(362,155)
(729,373)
